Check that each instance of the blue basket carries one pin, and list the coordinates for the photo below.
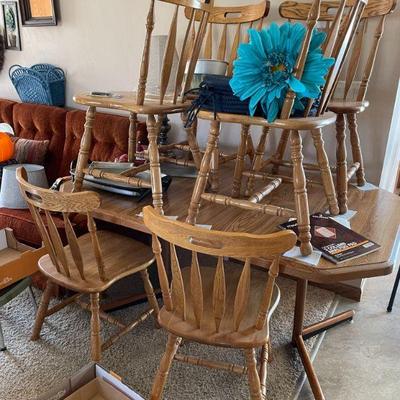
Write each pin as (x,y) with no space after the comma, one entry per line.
(41,84)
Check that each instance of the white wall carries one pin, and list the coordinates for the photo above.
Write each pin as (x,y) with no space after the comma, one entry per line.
(99,42)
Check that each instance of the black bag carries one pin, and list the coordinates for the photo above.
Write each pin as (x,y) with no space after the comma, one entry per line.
(215,94)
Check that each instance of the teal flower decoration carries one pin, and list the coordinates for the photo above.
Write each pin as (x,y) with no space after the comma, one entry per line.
(263,72)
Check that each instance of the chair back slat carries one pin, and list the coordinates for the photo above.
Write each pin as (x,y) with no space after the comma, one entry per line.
(371,59)
(144,66)
(169,56)
(74,245)
(265,304)
(211,313)
(57,243)
(222,44)
(242,295)
(333,30)
(208,49)
(355,57)
(340,52)
(196,289)
(177,286)
(312,19)
(219,293)
(44,204)
(234,50)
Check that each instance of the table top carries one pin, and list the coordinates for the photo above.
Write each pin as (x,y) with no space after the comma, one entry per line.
(377,218)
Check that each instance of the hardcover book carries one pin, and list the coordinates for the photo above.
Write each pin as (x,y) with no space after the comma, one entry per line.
(336,242)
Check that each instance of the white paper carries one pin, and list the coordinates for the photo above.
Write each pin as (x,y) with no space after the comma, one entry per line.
(366,188)
(3,240)
(349,215)
(313,259)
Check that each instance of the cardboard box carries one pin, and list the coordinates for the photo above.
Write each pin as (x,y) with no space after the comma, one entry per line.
(85,383)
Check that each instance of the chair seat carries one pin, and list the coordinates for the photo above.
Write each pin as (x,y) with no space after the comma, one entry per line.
(247,336)
(343,106)
(122,256)
(126,101)
(299,124)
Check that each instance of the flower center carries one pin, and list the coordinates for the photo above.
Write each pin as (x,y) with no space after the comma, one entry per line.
(277,69)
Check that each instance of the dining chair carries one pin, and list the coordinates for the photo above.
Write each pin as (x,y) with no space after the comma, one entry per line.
(222,22)
(88,265)
(350,100)
(151,105)
(224,305)
(336,45)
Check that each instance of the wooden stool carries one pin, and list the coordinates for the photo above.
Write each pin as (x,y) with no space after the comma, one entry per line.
(138,103)
(347,105)
(89,264)
(224,306)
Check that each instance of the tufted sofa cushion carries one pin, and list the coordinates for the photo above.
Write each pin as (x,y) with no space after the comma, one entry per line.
(110,138)
(39,122)
(6,111)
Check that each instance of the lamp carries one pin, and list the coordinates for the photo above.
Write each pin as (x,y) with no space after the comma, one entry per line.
(10,194)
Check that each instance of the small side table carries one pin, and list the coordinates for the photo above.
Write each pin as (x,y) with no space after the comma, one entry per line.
(17,263)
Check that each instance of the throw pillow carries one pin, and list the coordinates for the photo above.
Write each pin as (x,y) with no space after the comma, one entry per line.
(31,151)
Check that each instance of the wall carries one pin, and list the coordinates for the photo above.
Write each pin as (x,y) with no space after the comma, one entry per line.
(99,42)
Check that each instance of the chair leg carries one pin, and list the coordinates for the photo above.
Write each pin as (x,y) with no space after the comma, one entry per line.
(193,143)
(394,291)
(252,374)
(238,174)
(95,339)
(341,162)
(2,344)
(151,297)
(214,171)
(132,137)
(356,148)
(326,173)
(154,158)
(264,359)
(42,311)
(202,177)
(280,152)
(86,142)
(257,162)
(33,298)
(165,365)
(300,193)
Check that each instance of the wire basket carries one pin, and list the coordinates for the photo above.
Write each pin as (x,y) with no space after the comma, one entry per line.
(41,84)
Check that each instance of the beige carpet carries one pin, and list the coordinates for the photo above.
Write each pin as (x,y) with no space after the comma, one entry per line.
(29,369)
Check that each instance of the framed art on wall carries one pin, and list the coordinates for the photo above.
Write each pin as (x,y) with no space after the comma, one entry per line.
(12,34)
(38,12)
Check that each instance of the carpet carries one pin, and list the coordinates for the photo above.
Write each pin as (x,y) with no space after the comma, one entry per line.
(29,369)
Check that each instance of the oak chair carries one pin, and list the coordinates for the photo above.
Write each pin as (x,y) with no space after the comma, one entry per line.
(356,78)
(141,103)
(224,306)
(88,265)
(221,22)
(336,45)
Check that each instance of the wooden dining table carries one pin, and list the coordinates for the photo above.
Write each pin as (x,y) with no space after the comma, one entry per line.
(377,217)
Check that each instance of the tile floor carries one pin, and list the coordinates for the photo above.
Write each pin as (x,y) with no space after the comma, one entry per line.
(361,360)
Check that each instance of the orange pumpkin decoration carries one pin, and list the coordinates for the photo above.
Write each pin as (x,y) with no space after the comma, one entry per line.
(6,147)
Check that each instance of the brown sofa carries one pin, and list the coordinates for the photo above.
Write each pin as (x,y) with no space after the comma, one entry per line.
(64,129)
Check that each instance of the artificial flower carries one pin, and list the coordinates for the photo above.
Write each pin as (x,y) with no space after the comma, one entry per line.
(264,70)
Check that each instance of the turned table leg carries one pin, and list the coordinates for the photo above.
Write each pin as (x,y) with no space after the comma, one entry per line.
(356,148)
(326,173)
(83,157)
(300,193)
(202,177)
(341,160)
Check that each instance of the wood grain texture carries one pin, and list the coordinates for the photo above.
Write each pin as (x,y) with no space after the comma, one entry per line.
(341,161)
(356,148)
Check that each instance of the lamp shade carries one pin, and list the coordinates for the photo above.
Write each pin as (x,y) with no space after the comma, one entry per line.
(10,193)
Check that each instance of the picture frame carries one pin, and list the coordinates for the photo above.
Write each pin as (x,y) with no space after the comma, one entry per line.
(38,12)
(12,32)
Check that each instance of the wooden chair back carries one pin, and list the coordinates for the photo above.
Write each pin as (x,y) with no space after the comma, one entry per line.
(218,244)
(345,19)
(189,51)
(365,44)
(42,203)
(241,17)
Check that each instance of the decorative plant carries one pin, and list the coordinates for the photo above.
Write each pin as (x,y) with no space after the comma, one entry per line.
(264,70)
(10,19)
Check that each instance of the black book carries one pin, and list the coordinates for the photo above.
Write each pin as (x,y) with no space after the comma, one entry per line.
(336,242)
